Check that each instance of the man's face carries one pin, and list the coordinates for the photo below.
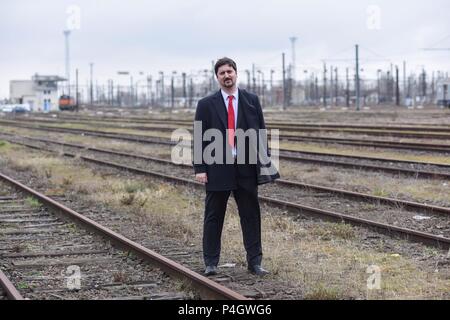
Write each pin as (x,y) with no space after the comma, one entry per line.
(226,76)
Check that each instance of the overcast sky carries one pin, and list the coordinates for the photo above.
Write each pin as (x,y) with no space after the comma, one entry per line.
(153,36)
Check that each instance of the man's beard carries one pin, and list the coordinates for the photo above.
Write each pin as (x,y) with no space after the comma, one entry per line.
(228,83)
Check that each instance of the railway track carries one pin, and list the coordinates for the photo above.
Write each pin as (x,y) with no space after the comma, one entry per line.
(441,148)
(7,289)
(437,134)
(392,166)
(350,194)
(50,251)
(413,132)
(435,232)
(275,124)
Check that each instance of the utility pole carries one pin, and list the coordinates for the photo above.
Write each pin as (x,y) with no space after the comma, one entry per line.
(212,75)
(263,93)
(284,81)
(388,87)
(404,82)
(163,98)
(378,87)
(184,89)
(254,78)
(424,85)
(76,90)
(347,89)
(409,90)
(271,86)
(259,82)
(131,91)
(316,91)
(336,93)
(331,85)
(96,92)
(293,70)
(149,91)
(109,92)
(191,92)
(397,87)
(112,92)
(433,87)
(358,102)
(172,93)
(119,96)
(66,36)
(91,90)
(324,84)
(248,80)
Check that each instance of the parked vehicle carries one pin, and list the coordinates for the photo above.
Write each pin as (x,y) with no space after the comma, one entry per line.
(15,108)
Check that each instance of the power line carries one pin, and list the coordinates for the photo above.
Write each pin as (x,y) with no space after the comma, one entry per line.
(435,44)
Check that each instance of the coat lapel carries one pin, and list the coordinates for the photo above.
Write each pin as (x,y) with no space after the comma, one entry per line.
(219,106)
(244,107)
(241,105)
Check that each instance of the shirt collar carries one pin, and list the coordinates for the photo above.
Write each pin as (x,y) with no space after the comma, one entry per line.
(225,95)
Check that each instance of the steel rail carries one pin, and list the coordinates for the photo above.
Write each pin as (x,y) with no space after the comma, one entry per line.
(291,124)
(352,194)
(207,288)
(11,291)
(441,135)
(414,173)
(413,235)
(386,200)
(356,142)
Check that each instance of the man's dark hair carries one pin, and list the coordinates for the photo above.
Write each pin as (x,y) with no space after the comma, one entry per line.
(224,61)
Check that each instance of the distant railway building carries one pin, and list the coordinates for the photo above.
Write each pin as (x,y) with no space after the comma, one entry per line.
(40,93)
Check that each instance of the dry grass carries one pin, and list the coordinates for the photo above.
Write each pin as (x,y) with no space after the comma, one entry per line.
(146,133)
(120,277)
(329,231)
(326,260)
(332,267)
(359,151)
(117,145)
(4,145)
(379,184)
(33,203)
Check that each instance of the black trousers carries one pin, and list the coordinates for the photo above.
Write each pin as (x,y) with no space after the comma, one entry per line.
(250,217)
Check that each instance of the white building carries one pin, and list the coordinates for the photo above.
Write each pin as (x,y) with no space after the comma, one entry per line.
(40,93)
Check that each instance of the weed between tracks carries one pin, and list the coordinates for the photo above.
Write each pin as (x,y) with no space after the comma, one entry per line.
(360,151)
(4,145)
(33,203)
(147,133)
(378,184)
(324,260)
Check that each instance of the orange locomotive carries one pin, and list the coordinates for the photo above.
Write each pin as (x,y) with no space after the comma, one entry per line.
(67,103)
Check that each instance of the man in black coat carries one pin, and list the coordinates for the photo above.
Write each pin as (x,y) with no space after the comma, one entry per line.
(228,143)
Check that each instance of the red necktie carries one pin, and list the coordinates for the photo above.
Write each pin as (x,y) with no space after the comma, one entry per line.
(231,128)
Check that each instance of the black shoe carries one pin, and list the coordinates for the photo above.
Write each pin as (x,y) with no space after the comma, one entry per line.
(210,270)
(258,270)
